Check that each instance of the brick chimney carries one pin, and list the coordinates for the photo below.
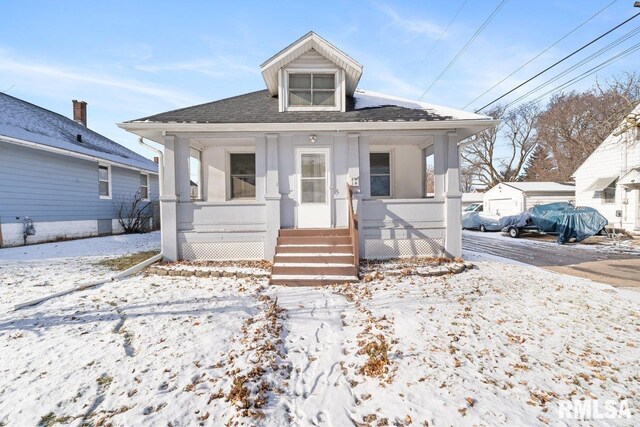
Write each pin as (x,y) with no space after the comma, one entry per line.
(80,112)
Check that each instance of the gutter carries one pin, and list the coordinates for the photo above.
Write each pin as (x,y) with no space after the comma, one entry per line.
(315,127)
(62,151)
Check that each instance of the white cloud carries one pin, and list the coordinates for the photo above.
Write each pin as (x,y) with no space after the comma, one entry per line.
(220,68)
(24,72)
(411,24)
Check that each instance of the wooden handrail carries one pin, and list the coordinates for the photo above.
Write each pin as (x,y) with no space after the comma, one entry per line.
(353,228)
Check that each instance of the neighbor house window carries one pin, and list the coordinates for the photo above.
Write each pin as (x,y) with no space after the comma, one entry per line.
(104,182)
(243,175)
(380,167)
(144,186)
(312,89)
(609,193)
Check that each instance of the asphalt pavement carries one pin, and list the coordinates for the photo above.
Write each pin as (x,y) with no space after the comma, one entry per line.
(604,265)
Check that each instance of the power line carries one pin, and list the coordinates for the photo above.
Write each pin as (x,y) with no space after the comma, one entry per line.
(589,58)
(445,31)
(558,62)
(540,54)
(591,71)
(459,54)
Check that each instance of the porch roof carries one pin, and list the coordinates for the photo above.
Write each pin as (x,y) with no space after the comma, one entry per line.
(261,107)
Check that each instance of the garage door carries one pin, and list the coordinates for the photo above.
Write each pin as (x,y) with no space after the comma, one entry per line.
(503,207)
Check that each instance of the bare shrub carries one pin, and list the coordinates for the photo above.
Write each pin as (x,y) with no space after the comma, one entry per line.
(134,213)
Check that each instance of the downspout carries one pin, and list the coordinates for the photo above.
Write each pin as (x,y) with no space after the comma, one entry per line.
(160,180)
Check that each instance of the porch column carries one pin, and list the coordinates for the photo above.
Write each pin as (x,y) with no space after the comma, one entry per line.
(365,188)
(272,195)
(453,199)
(440,143)
(353,174)
(168,202)
(183,179)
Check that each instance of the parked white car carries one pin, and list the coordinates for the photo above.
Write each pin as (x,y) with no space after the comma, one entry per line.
(474,218)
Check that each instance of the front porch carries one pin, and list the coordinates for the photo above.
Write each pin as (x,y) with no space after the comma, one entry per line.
(218,206)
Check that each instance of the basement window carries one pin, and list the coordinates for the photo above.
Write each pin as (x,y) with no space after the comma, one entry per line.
(104,181)
(242,167)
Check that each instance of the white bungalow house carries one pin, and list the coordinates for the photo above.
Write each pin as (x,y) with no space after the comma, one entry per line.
(511,198)
(609,179)
(277,167)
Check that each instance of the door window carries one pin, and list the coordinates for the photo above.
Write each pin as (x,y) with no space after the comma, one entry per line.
(313,178)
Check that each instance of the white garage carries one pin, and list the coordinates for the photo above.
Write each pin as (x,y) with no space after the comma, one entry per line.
(511,198)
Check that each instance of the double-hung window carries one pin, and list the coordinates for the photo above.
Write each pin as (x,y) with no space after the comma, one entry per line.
(104,181)
(380,173)
(144,186)
(242,167)
(312,90)
(609,193)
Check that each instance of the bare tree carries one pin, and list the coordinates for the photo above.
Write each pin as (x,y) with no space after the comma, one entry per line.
(574,124)
(499,154)
(468,178)
(134,213)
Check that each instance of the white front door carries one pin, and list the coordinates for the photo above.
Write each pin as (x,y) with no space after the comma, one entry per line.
(313,173)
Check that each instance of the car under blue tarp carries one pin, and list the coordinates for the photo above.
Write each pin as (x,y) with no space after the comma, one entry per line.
(560,218)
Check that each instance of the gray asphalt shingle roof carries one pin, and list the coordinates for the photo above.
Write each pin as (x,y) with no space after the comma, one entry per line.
(28,122)
(260,107)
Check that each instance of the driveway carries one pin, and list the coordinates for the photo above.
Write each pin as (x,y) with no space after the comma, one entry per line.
(604,265)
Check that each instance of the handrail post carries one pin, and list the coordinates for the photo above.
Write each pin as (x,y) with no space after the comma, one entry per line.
(353,229)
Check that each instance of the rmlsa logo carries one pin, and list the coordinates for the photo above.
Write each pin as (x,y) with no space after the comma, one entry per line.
(593,409)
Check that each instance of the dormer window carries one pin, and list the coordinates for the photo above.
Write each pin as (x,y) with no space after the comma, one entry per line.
(311,75)
(312,89)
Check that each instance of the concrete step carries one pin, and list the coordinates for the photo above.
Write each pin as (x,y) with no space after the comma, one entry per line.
(313,269)
(314,248)
(314,257)
(302,232)
(311,280)
(314,240)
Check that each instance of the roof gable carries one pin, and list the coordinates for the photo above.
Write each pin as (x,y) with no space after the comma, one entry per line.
(615,138)
(308,42)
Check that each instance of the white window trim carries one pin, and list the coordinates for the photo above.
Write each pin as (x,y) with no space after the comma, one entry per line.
(148,188)
(228,153)
(110,180)
(391,173)
(339,92)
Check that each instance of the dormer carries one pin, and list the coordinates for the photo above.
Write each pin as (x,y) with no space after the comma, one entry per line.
(311,75)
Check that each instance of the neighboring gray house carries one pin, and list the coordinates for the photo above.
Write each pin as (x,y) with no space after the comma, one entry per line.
(63,176)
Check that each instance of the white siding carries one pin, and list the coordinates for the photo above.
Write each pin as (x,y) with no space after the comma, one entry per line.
(503,200)
(614,157)
(310,60)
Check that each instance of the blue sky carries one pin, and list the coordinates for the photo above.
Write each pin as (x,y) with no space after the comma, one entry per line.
(131,59)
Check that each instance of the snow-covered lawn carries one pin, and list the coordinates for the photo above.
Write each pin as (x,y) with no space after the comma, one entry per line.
(498,345)
(28,272)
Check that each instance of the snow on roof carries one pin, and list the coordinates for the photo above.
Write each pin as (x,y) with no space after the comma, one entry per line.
(368,99)
(542,186)
(27,122)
